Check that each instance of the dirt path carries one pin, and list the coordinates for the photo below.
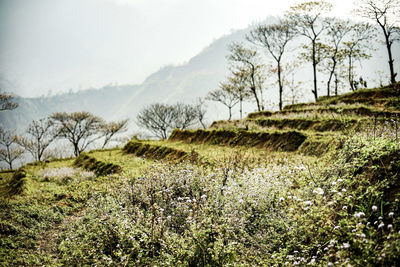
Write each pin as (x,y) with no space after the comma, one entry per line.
(49,240)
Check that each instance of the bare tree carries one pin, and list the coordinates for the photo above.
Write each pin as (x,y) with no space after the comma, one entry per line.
(225,94)
(309,23)
(112,128)
(294,94)
(80,128)
(161,119)
(357,47)
(247,62)
(238,87)
(5,102)
(386,14)
(200,109)
(9,150)
(185,115)
(337,31)
(156,118)
(275,39)
(41,134)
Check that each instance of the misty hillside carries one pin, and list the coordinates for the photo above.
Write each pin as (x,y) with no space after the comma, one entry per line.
(170,84)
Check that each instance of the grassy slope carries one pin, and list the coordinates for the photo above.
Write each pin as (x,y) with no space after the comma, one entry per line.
(229,204)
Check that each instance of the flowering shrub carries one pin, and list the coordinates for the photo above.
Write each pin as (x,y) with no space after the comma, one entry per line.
(65,175)
(282,213)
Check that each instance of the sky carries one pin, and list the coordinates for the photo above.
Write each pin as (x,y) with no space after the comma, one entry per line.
(52,46)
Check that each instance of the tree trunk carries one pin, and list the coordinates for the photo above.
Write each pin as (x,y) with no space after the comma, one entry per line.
(389,50)
(336,84)
(280,86)
(240,106)
(230,113)
(328,87)
(391,60)
(351,74)
(314,62)
(253,90)
(9,157)
(76,150)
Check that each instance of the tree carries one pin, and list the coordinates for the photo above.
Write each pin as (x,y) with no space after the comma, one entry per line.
(5,102)
(356,48)
(161,119)
(337,31)
(386,14)
(41,134)
(247,62)
(112,128)
(309,23)
(200,109)
(239,89)
(274,38)
(294,94)
(185,115)
(225,94)
(80,128)
(9,150)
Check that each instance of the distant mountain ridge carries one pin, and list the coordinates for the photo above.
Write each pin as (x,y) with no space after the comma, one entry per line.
(170,84)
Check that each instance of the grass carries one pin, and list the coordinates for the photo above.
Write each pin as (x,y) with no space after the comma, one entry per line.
(245,200)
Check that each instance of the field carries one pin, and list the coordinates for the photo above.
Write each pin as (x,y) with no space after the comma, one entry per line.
(315,184)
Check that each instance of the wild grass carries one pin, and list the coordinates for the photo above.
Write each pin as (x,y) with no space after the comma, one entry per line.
(335,201)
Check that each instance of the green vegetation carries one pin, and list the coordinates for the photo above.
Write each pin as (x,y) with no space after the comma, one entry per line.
(98,167)
(265,190)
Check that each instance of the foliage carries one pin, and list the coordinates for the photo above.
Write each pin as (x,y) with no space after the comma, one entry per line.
(5,102)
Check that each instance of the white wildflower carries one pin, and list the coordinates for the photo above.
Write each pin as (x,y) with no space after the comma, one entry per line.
(318,191)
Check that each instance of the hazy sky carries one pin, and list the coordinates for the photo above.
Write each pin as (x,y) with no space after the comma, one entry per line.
(75,44)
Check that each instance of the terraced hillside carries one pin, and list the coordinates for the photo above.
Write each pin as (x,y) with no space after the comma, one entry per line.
(315,184)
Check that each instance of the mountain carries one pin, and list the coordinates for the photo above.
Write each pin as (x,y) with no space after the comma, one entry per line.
(170,84)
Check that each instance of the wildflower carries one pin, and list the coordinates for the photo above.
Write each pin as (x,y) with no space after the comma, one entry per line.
(346,245)
(281,199)
(344,208)
(359,214)
(374,208)
(336,227)
(318,191)
(340,180)
(391,214)
(307,203)
(381,225)
(390,226)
